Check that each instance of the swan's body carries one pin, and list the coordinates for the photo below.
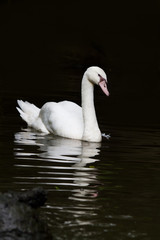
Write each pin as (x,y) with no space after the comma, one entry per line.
(66,118)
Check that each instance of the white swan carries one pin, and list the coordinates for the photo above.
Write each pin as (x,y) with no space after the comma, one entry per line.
(67,119)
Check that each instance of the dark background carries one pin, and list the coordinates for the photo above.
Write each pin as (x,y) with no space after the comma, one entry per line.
(45,46)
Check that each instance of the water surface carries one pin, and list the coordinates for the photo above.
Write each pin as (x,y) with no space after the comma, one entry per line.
(107,190)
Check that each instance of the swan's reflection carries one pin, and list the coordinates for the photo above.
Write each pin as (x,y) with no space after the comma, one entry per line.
(59,162)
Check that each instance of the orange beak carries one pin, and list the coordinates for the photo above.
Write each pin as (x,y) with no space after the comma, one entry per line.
(103,85)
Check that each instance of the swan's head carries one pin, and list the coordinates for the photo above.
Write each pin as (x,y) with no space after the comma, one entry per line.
(97,76)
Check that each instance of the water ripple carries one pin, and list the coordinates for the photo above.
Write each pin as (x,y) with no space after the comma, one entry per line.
(65,162)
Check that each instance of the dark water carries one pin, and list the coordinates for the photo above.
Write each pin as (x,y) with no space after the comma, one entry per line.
(107,190)
(95,191)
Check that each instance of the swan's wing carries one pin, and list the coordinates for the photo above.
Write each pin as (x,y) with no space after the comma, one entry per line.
(28,112)
(63,119)
(70,106)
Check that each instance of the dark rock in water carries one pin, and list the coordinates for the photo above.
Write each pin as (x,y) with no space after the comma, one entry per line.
(19,219)
(34,198)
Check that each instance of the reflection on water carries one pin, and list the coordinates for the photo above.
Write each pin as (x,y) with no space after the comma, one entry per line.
(65,167)
(95,191)
(58,162)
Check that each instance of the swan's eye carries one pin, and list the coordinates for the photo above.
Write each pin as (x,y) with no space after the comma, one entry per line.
(99,75)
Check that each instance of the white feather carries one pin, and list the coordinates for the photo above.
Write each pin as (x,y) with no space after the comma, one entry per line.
(67,119)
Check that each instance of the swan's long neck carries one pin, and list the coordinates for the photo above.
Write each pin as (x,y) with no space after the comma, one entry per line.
(91,130)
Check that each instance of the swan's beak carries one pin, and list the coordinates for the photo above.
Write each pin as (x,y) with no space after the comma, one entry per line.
(103,85)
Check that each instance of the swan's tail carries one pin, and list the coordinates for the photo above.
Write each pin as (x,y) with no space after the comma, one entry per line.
(28,112)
